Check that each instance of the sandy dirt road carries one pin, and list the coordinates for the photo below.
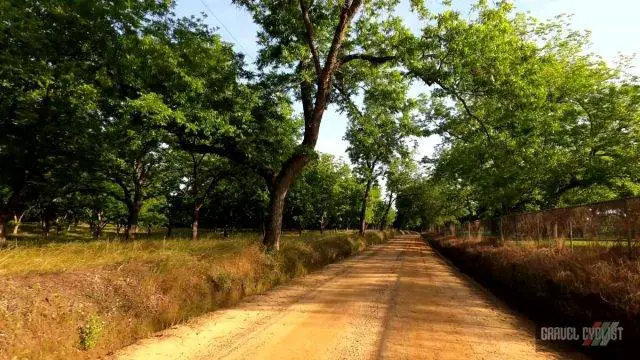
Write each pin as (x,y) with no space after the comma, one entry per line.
(399,300)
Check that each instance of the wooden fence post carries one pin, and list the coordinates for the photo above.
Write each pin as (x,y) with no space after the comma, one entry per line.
(538,232)
(628,223)
(571,233)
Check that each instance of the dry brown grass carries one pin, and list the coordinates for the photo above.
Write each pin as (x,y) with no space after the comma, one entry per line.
(49,292)
(557,284)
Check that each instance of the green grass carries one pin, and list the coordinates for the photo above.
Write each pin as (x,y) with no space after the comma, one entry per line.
(52,290)
(31,252)
(56,257)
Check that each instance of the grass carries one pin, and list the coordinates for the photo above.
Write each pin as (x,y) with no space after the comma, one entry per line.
(555,284)
(65,298)
(57,257)
(74,250)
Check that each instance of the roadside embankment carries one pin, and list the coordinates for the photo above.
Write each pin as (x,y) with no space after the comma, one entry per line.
(558,286)
(52,307)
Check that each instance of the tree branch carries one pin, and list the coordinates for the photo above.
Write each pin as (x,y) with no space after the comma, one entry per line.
(372,59)
(347,99)
(324,83)
(226,148)
(306,95)
(452,92)
(127,193)
(304,9)
(467,110)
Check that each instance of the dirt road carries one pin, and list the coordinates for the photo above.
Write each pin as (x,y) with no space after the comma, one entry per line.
(395,301)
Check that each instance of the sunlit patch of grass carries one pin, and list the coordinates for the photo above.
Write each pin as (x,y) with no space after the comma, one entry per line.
(49,290)
(55,257)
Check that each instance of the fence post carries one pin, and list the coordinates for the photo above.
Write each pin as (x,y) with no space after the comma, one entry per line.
(538,232)
(571,233)
(628,223)
(592,228)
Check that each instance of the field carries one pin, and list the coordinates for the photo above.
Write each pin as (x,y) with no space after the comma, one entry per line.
(74,297)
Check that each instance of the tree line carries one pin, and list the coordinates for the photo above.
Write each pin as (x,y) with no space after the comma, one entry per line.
(530,119)
(124,113)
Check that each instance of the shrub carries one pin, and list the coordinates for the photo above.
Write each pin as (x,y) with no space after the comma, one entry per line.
(89,332)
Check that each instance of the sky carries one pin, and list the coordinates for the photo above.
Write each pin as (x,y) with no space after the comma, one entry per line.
(614,27)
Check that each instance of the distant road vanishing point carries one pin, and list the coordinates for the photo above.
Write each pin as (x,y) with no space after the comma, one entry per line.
(399,300)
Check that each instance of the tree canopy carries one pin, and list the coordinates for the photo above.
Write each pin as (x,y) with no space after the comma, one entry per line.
(124,113)
(529,119)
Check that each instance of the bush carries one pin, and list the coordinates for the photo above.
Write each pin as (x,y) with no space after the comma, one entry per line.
(89,332)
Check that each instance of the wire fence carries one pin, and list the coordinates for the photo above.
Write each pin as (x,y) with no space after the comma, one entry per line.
(612,222)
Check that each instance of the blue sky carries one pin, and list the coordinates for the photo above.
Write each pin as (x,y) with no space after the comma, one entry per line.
(614,27)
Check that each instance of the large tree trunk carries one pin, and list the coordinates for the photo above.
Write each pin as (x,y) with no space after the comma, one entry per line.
(274,218)
(196,220)
(132,220)
(363,208)
(313,106)
(278,193)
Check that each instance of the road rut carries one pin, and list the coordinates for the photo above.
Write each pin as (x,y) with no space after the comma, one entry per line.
(399,300)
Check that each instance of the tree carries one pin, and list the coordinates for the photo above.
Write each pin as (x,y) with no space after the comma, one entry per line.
(175,68)
(100,210)
(205,173)
(377,133)
(53,61)
(399,174)
(153,213)
(303,46)
(319,197)
(426,202)
(521,108)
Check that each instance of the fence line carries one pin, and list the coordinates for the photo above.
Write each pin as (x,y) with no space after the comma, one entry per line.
(614,221)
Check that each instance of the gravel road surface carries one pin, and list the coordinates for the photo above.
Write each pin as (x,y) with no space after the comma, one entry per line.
(399,300)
